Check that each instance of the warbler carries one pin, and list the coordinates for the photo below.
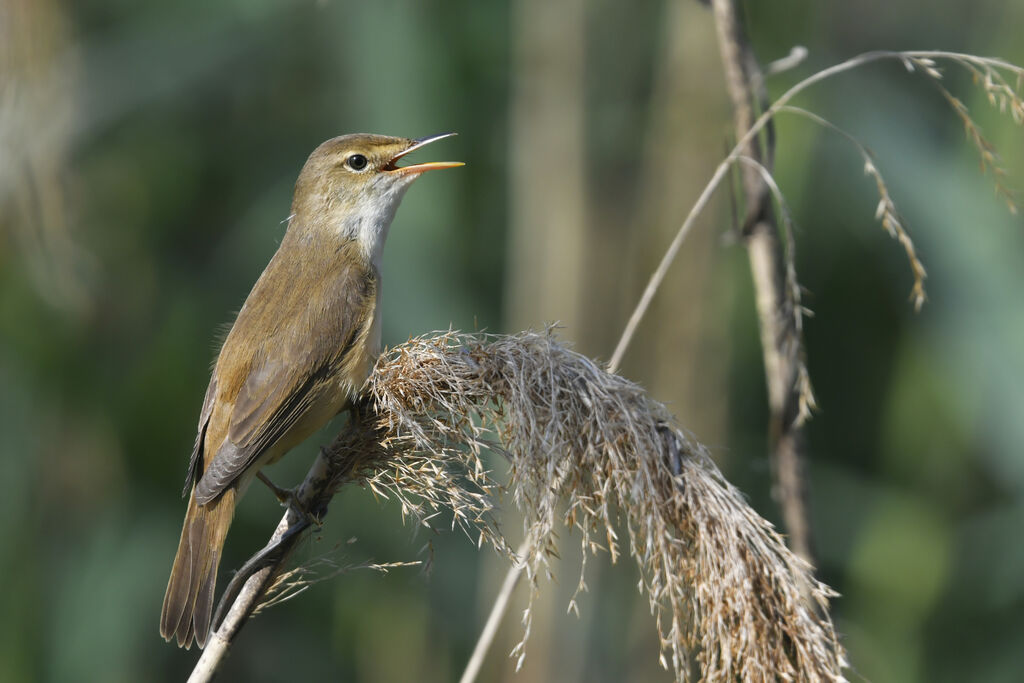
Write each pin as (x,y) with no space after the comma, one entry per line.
(298,353)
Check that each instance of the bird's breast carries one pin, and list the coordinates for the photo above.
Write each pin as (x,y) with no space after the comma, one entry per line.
(365,352)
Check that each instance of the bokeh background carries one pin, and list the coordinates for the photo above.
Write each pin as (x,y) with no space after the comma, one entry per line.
(147,156)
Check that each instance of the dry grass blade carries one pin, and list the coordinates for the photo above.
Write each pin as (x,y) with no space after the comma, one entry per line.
(295,581)
(589,449)
(1000,94)
(990,73)
(886,212)
(793,307)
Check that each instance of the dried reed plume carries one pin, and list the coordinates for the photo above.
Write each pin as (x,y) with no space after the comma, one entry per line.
(588,449)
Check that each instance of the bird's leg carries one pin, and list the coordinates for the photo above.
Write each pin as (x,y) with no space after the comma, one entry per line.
(286,497)
(289,499)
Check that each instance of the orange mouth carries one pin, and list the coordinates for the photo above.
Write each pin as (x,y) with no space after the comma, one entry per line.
(428,166)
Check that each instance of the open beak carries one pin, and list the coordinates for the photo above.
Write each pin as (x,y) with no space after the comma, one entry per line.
(428,166)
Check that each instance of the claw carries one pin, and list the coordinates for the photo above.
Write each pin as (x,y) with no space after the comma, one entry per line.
(285,497)
(289,499)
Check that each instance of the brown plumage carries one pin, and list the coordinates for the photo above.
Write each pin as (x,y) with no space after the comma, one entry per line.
(300,349)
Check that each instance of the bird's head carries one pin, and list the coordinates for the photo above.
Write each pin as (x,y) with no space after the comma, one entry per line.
(350,187)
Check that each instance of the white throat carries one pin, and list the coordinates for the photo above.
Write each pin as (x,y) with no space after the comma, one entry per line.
(369,222)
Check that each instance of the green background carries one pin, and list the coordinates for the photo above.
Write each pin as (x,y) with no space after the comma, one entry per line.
(147,156)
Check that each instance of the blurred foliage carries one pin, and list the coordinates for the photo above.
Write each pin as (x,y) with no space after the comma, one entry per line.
(147,156)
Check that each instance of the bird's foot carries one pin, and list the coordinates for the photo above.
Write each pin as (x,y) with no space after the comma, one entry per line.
(289,498)
(286,497)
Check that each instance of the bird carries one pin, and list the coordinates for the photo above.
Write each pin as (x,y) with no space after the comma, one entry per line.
(298,353)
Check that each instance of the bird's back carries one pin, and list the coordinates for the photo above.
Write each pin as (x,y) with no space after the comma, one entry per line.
(293,358)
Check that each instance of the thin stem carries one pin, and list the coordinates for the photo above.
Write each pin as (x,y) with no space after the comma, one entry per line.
(659,274)
(483,643)
(666,262)
(314,493)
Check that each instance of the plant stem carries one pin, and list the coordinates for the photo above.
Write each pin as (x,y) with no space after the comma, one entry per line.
(781,342)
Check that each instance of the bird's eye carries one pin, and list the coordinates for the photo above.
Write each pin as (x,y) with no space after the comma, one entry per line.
(357,162)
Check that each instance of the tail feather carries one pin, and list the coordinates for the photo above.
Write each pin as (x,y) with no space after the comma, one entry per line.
(188,602)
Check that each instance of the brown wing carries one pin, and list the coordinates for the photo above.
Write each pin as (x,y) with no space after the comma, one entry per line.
(284,353)
(195,463)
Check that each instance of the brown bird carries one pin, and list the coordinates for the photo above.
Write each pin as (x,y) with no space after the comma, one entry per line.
(299,351)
